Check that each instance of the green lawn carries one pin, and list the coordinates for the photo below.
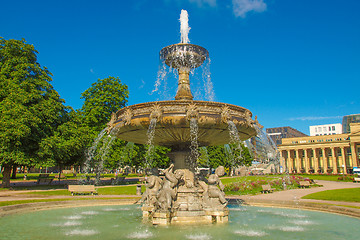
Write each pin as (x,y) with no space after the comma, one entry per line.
(8,203)
(326,177)
(118,190)
(346,195)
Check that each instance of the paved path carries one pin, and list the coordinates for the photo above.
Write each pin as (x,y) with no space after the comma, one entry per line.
(297,194)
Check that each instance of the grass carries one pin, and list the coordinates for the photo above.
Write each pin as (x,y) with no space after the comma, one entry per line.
(326,177)
(118,190)
(344,195)
(8,203)
(35,176)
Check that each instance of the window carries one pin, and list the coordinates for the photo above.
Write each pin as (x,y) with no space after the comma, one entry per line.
(324,129)
(319,129)
(333,128)
(329,128)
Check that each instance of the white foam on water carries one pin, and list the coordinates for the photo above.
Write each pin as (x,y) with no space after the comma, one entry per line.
(292,229)
(90,213)
(238,209)
(284,214)
(291,215)
(302,222)
(251,233)
(110,209)
(141,235)
(67,224)
(74,217)
(200,236)
(82,232)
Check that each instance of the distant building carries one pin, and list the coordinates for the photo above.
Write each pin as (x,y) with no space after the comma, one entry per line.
(353,118)
(332,154)
(326,129)
(279,133)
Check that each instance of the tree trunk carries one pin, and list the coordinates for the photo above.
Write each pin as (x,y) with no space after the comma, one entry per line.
(14,170)
(6,176)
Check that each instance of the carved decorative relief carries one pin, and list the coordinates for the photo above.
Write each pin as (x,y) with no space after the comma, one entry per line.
(128,114)
(192,112)
(156,112)
(225,114)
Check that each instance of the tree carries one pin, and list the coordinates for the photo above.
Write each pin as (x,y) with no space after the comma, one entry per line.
(103,98)
(68,144)
(29,106)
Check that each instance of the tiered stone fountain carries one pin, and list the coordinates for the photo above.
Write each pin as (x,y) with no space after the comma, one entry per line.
(181,196)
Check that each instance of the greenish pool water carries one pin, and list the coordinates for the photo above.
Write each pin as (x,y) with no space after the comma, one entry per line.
(125,222)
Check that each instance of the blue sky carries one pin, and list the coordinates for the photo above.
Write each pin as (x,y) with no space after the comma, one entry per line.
(290,62)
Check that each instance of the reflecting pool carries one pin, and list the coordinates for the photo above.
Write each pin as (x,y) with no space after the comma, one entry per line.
(125,222)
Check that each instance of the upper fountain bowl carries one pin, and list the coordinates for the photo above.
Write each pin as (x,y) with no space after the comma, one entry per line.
(173,122)
(184,55)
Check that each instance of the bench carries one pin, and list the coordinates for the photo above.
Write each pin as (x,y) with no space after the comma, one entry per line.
(44,179)
(117,180)
(61,176)
(267,188)
(356,180)
(131,180)
(77,189)
(304,184)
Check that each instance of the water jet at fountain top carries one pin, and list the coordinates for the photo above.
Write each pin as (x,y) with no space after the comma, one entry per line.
(184,26)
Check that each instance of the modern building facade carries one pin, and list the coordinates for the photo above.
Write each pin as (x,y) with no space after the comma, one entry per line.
(279,133)
(354,118)
(321,154)
(326,129)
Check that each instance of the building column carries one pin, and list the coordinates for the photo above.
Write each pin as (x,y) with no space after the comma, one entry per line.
(324,158)
(343,159)
(354,155)
(298,161)
(290,162)
(316,161)
(334,162)
(306,160)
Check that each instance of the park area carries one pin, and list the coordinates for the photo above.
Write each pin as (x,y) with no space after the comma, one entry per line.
(329,190)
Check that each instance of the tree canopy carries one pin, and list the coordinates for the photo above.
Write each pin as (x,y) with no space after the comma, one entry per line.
(30,108)
(104,97)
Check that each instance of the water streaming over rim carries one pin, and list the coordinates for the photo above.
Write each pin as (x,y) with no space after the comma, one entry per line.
(194,146)
(96,156)
(150,144)
(234,141)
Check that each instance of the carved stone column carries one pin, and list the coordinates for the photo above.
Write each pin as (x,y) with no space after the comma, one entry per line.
(324,158)
(316,161)
(290,161)
(298,161)
(354,155)
(307,162)
(343,159)
(334,162)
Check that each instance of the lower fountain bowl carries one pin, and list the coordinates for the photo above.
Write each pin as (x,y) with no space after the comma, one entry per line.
(173,122)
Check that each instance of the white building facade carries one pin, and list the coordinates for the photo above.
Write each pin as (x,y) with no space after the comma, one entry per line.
(327,129)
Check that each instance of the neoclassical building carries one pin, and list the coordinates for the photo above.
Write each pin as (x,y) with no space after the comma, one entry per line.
(334,154)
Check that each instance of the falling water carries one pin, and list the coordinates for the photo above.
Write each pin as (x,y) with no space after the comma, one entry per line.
(194,146)
(90,152)
(150,143)
(208,85)
(184,26)
(234,137)
(96,156)
(107,142)
(266,149)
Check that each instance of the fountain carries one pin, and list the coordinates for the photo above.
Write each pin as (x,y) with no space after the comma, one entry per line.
(184,125)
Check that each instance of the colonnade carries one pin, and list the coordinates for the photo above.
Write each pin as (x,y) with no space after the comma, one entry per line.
(333,159)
